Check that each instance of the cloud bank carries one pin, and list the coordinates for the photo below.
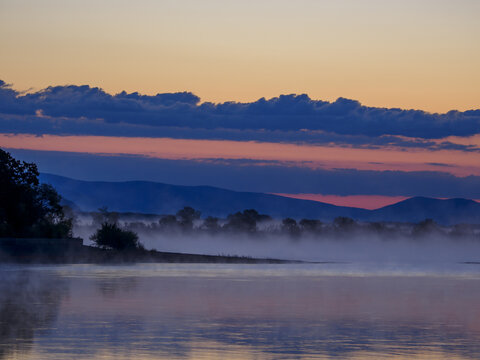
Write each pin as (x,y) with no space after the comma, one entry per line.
(288,118)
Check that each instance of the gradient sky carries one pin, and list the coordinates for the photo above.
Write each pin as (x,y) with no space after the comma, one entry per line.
(326,157)
(190,92)
(421,54)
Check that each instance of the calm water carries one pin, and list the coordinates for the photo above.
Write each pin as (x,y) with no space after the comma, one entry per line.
(160,311)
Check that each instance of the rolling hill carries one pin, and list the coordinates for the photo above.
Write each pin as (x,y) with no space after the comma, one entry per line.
(443,211)
(158,198)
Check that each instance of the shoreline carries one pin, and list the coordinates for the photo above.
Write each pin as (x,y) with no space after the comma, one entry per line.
(33,251)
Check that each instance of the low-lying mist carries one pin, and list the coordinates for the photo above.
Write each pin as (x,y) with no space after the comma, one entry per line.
(344,240)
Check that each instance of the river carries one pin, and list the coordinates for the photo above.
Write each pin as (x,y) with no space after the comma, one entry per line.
(215,311)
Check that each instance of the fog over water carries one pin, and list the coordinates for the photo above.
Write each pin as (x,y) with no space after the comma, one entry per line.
(375,295)
(429,250)
(215,311)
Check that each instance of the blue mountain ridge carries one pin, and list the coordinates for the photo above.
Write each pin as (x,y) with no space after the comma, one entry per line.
(157,198)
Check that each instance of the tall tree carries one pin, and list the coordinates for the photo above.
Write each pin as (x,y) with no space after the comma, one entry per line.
(187,216)
(28,208)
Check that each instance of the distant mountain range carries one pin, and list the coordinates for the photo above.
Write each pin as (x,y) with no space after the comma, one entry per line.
(158,198)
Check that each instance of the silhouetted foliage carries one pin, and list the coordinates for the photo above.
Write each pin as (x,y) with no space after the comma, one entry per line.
(290,227)
(103,215)
(111,236)
(310,225)
(28,208)
(462,230)
(168,222)
(211,224)
(344,223)
(424,227)
(250,222)
(187,216)
(377,227)
(245,221)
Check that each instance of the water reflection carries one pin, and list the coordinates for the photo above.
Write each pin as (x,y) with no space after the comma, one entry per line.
(114,287)
(29,305)
(238,312)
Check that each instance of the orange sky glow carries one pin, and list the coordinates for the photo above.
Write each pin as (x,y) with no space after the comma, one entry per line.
(370,202)
(420,54)
(455,162)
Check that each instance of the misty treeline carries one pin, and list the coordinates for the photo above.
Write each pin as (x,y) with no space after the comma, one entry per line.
(250,222)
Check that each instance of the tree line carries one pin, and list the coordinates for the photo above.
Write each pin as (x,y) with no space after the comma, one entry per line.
(250,222)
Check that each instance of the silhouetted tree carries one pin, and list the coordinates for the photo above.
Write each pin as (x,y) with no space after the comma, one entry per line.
(290,227)
(377,227)
(211,224)
(103,215)
(168,222)
(344,223)
(28,208)
(424,227)
(111,236)
(187,216)
(240,223)
(462,230)
(245,221)
(310,225)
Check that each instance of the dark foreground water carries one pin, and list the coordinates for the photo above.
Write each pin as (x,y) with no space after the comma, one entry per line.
(165,311)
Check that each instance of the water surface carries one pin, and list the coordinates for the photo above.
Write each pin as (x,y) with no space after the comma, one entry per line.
(189,311)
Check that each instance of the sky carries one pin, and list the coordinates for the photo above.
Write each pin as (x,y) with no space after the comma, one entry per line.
(360,102)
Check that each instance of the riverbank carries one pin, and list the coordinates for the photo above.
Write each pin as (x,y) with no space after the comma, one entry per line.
(72,251)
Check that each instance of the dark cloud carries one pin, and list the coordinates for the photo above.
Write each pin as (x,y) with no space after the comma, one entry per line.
(253,175)
(79,109)
(439,164)
(39,125)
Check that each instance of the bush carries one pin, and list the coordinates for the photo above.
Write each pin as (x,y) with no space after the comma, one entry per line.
(111,236)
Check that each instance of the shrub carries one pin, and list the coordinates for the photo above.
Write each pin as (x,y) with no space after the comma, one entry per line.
(111,236)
